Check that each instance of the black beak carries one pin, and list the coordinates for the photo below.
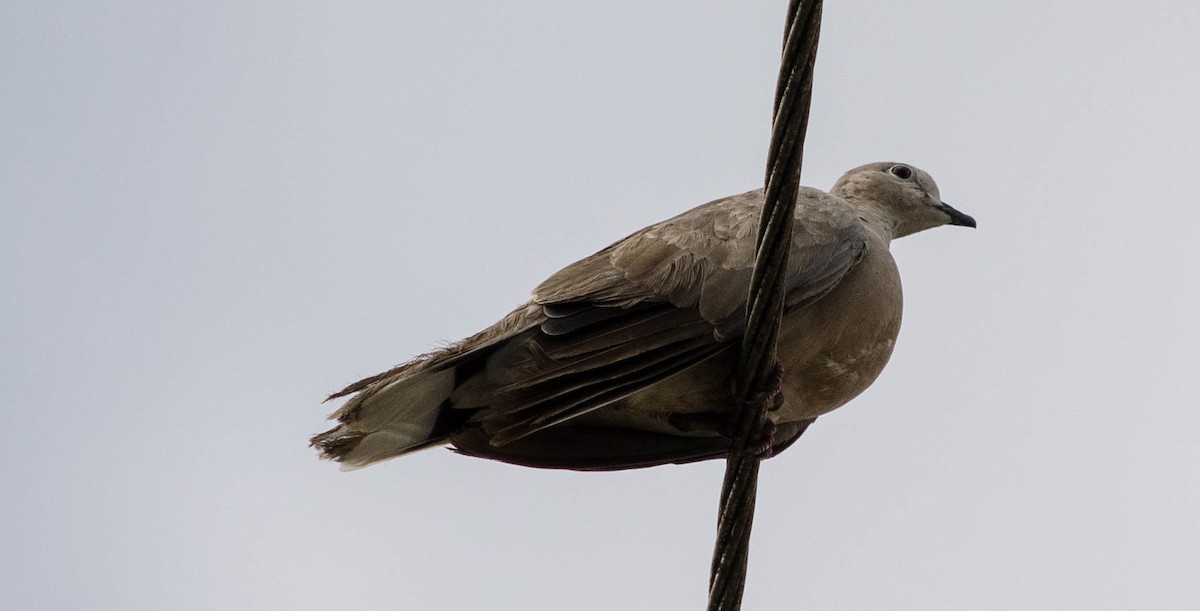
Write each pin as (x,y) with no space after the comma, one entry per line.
(956,217)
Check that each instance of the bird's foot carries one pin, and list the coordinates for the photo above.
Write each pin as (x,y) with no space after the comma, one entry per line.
(725,423)
(771,395)
(762,443)
(771,392)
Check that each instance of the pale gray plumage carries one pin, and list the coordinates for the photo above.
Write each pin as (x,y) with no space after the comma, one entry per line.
(624,359)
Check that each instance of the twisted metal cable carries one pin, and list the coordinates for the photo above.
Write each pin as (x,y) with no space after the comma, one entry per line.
(793,95)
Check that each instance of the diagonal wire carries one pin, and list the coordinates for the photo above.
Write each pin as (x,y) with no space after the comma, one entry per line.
(793,94)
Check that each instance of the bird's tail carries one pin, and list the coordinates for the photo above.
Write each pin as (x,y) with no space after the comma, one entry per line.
(389,417)
(408,408)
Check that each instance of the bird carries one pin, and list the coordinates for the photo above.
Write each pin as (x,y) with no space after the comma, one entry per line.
(625,359)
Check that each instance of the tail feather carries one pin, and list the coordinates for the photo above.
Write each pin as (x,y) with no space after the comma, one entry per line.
(388,419)
(408,407)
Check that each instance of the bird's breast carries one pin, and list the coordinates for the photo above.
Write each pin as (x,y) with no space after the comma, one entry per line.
(835,348)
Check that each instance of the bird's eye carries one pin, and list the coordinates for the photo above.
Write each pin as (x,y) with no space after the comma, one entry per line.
(902,172)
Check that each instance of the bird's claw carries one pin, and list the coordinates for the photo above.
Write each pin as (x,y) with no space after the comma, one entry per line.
(763,447)
(771,392)
(725,423)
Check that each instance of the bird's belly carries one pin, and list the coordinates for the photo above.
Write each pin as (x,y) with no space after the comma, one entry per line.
(826,382)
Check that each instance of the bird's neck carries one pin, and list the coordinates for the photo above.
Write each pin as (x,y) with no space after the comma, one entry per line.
(875,219)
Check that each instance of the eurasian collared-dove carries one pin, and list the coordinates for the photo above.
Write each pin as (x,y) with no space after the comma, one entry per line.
(625,359)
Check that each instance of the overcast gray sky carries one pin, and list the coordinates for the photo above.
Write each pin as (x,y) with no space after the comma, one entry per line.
(213,214)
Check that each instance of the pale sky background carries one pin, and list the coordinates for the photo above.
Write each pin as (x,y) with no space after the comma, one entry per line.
(213,214)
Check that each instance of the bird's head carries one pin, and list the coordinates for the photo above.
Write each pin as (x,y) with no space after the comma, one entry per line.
(904,198)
